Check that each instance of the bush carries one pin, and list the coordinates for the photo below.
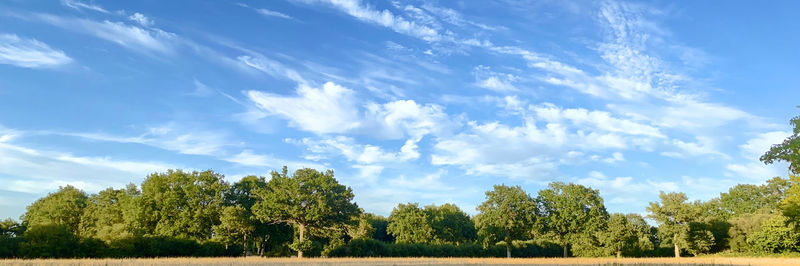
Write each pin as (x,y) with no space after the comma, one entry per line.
(49,241)
(374,248)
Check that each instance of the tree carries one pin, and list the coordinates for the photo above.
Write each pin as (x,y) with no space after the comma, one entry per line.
(107,215)
(409,224)
(506,218)
(790,205)
(674,216)
(381,225)
(571,211)
(10,237)
(747,198)
(788,151)
(450,225)
(307,199)
(777,234)
(265,235)
(63,207)
(182,204)
(627,233)
(742,229)
(235,222)
(49,241)
(361,228)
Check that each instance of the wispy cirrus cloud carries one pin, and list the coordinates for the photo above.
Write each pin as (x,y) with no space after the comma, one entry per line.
(79,5)
(30,53)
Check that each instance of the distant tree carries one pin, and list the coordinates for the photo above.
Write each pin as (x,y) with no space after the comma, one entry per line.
(570,212)
(791,203)
(506,218)
(49,241)
(777,234)
(408,223)
(235,223)
(182,204)
(627,233)
(788,151)
(450,224)
(265,235)
(10,237)
(108,214)
(63,207)
(678,223)
(747,198)
(381,225)
(307,199)
(742,229)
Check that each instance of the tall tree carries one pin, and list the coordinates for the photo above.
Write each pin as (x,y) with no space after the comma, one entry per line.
(748,198)
(788,150)
(627,233)
(674,216)
(450,225)
(235,222)
(571,211)
(408,223)
(182,204)
(106,216)
(307,199)
(506,217)
(63,207)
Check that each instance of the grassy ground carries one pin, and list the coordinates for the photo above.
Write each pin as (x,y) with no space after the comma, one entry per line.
(414,261)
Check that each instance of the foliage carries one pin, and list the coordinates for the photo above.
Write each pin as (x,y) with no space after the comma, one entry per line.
(107,215)
(788,150)
(571,212)
(627,234)
(308,198)
(450,224)
(182,204)
(409,224)
(374,248)
(673,216)
(777,234)
(507,215)
(63,207)
(49,241)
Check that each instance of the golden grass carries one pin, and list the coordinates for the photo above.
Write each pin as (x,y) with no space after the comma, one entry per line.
(412,261)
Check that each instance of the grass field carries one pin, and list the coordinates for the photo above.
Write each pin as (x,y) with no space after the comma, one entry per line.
(412,261)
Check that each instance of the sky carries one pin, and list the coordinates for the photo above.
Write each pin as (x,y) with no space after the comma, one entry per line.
(423,101)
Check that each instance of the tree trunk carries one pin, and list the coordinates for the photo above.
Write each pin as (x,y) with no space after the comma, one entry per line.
(677,249)
(302,232)
(508,244)
(619,254)
(245,245)
(508,251)
(566,250)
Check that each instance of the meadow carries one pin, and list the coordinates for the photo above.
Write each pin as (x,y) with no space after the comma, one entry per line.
(412,261)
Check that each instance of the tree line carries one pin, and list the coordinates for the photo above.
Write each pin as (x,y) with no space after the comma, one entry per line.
(308,213)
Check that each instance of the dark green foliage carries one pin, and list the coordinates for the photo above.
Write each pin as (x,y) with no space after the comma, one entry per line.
(110,214)
(182,204)
(788,151)
(374,248)
(409,224)
(777,234)
(571,214)
(63,207)
(49,241)
(506,218)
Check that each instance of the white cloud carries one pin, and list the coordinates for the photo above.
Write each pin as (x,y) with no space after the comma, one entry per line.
(168,137)
(131,37)
(30,53)
(487,79)
(250,158)
(385,18)
(270,67)
(78,5)
(362,154)
(752,168)
(703,146)
(428,182)
(270,13)
(141,19)
(35,171)
(757,146)
(330,109)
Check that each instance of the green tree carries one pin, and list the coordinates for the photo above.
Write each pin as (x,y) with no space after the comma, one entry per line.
(674,216)
(307,199)
(747,198)
(791,203)
(63,207)
(571,211)
(381,225)
(10,237)
(698,238)
(182,204)
(107,215)
(788,150)
(50,241)
(450,224)
(506,218)
(627,233)
(265,235)
(409,224)
(777,234)
(743,227)
(235,223)
(361,228)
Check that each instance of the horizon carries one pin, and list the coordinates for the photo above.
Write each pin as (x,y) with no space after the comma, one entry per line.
(407,102)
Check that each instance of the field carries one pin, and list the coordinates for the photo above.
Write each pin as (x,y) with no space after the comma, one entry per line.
(413,261)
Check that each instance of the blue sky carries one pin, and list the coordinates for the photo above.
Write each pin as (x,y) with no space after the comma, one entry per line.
(421,101)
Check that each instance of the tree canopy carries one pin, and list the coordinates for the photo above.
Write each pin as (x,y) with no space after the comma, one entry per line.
(571,211)
(507,217)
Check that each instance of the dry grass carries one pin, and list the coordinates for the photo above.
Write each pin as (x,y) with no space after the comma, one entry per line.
(412,261)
